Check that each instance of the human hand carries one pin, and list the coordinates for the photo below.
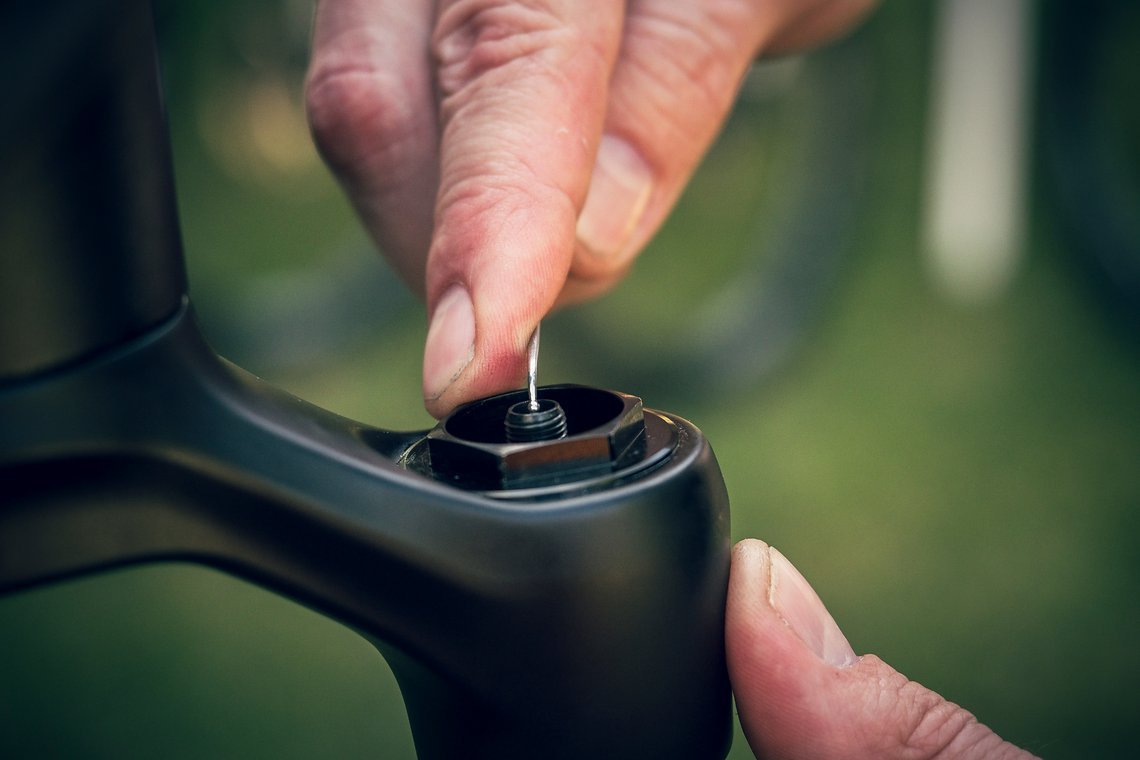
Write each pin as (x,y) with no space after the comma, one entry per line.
(802,692)
(508,155)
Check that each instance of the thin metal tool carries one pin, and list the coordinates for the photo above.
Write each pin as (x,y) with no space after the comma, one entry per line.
(532,370)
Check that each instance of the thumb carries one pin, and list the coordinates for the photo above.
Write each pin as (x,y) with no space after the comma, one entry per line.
(802,692)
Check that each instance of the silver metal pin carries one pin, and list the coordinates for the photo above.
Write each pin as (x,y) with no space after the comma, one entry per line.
(532,370)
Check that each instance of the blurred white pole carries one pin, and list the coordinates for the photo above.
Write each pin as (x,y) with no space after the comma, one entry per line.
(974,221)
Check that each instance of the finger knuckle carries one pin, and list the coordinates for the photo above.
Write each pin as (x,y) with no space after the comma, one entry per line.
(491,204)
(479,39)
(705,45)
(688,63)
(359,115)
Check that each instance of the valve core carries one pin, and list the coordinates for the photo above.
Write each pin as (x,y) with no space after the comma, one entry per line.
(539,420)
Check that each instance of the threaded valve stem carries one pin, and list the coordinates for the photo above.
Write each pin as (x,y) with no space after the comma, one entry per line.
(542,421)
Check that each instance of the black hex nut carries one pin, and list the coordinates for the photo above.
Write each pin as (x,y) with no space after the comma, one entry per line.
(605,431)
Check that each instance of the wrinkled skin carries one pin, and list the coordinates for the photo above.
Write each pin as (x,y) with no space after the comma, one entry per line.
(511,155)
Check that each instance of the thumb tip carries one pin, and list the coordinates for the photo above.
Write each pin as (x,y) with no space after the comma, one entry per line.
(769,585)
(794,600)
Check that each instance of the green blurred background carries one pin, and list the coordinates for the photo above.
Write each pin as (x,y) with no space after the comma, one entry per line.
(960,482)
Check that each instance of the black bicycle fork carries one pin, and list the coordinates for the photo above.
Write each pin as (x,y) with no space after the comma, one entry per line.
(577,613)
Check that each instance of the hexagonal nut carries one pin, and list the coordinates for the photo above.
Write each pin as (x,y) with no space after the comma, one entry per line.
(469,448)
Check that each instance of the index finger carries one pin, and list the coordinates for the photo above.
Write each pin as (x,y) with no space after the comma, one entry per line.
(523,92)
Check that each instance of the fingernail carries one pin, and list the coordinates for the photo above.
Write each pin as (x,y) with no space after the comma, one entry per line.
(794,600)
(619,191)
(450,341)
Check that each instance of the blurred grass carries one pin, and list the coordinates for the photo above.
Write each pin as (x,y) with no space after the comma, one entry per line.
(960,485)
